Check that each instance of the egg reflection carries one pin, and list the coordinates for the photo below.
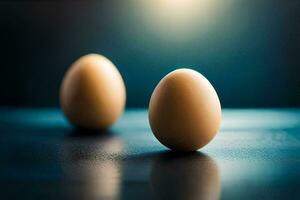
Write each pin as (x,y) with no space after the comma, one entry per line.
(91,166)
(185,176)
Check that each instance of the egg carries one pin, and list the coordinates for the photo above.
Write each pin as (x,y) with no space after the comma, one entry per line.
(184,110)
(92,93)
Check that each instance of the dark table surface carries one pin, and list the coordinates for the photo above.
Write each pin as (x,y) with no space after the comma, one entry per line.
(255,155)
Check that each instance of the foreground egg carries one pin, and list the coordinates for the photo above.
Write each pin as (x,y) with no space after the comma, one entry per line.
(184,110)
(92,94)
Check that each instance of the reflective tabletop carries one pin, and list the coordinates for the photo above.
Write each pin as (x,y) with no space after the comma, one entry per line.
(255,155)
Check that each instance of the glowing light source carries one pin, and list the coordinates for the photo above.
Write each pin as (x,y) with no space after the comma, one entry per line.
(177,19)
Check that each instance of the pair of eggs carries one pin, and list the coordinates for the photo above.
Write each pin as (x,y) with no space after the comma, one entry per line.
(184,109)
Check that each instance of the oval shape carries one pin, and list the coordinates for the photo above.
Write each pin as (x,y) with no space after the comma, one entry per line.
(184,110)
(92,93)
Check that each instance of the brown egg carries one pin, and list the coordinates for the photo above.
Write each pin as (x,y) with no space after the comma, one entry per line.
(92,94)
(184,110)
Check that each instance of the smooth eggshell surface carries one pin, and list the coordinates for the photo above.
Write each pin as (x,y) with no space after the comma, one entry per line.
(184,110)
(92,94)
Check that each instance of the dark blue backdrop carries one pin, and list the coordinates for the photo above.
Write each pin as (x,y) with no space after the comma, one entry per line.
(249,50)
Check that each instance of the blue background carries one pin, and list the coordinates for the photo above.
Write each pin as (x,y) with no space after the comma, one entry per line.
(249,50)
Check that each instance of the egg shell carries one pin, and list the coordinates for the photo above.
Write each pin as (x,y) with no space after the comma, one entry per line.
(184,110)
(92,93)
